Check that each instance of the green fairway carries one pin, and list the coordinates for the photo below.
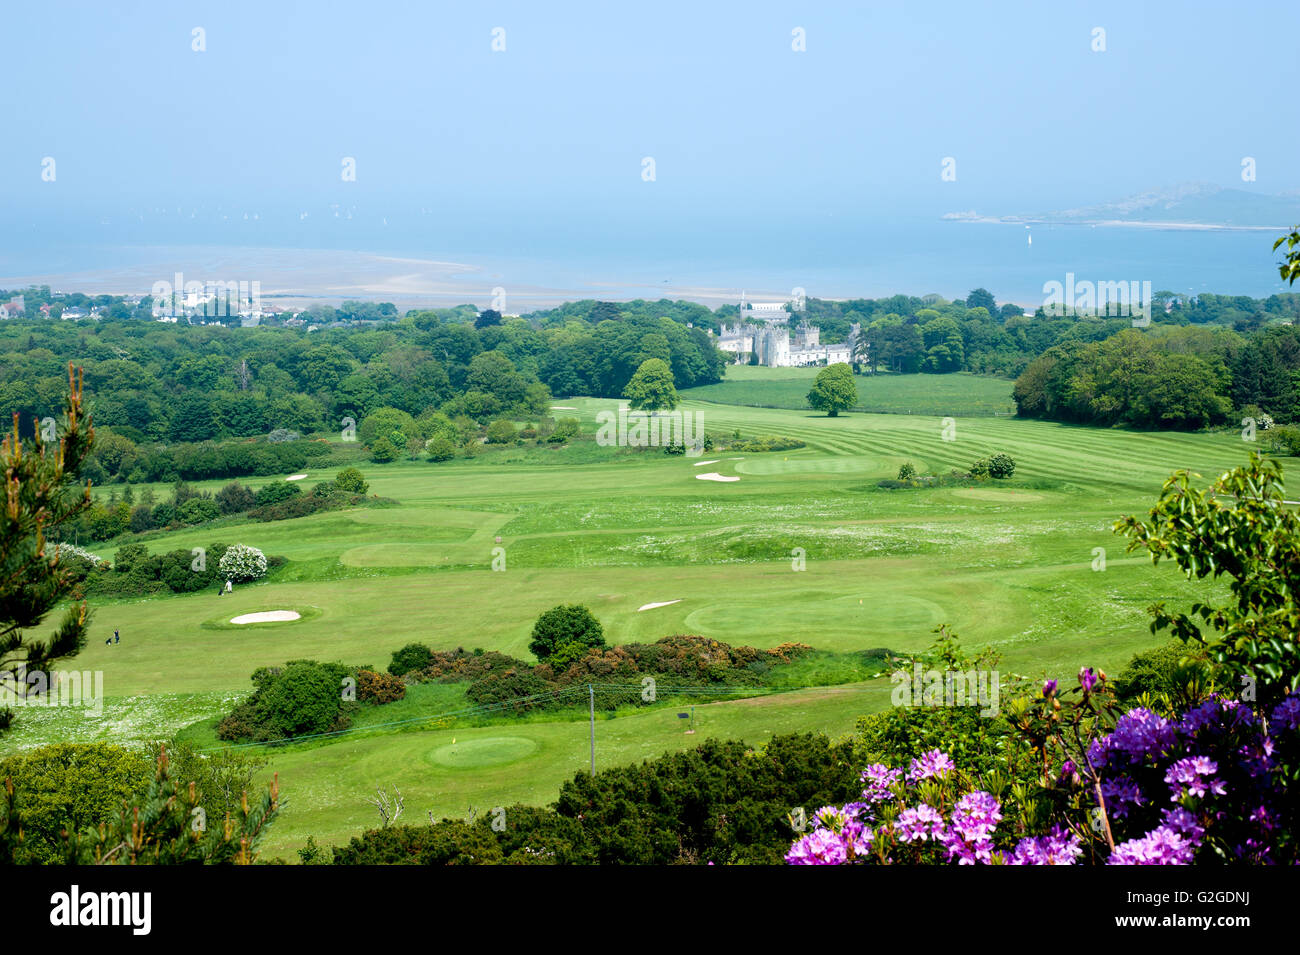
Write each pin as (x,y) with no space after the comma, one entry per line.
(1008,565)
(958,394)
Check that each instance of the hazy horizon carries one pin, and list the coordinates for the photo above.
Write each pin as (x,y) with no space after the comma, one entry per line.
(822,166)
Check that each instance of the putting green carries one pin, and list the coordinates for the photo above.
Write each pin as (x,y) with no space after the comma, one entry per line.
(484,751)
(994,494)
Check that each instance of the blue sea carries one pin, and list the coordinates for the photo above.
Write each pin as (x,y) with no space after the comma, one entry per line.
(600,256)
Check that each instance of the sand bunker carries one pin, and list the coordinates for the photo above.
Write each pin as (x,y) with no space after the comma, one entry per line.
(662,603)
(698,463)
(266,616)
(714,476)
(295,477)
(563,408)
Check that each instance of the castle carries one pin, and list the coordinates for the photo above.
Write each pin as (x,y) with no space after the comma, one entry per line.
(762,329)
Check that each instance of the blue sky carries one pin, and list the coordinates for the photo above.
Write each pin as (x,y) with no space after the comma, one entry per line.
(560,121)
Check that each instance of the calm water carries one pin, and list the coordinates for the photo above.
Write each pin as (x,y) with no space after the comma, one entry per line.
(600,256)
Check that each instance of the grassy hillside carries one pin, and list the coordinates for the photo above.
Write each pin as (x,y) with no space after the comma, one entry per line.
(1009,566)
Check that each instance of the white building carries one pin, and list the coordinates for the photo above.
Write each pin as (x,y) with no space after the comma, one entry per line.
(763,331)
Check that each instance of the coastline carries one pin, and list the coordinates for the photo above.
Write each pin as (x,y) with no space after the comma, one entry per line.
(1110,223)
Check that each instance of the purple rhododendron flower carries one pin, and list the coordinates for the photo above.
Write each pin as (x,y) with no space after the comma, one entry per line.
(1286,715)
(1191,776)
(970,838)
(933,763)
(1049,688)
(1087,678)
(819,847)
(1120,793)
(1162,846)
(1139,735)
(880,779)
(1185,824)
(1055,848)
(919,824)
(1217,716)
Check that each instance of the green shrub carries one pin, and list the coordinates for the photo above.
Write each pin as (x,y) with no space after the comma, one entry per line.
(906,471)
(383,451)
(440,449)
(447,843)
(235,498)
(767,442)
(72,786)
(383,422)
(1283,439)
(517,691)
(302,698)
(501,431)
(198,510)
(275,492)
(1001,466)
(352,481)
(566,429)
(565,624)
(413,656)
(1158,672)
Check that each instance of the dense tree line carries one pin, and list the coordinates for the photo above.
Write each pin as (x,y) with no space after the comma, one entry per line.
(908,334)
(1182,378)
(158,382)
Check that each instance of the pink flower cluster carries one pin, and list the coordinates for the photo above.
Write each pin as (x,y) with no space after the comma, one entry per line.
(845,834)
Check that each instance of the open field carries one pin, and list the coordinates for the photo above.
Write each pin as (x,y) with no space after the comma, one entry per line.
(958,394)
(1007,566)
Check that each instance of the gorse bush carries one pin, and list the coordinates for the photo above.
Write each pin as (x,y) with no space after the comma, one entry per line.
(683,659)
(379,688)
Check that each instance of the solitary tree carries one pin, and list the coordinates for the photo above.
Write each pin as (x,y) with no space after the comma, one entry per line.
(42,491)
(833,391)
(652,387)
(563,625)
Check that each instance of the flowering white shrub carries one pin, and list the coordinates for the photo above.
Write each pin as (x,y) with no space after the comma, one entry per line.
(65,551)
(241,562)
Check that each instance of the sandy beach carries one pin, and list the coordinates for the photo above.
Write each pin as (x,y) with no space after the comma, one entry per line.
(301,277)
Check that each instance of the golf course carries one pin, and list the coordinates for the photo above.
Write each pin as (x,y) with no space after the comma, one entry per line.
(800,546)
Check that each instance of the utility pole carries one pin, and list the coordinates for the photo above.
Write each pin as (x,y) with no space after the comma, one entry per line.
(591,690)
